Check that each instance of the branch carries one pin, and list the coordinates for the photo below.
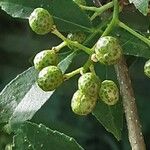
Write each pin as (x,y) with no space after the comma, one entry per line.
(134,128)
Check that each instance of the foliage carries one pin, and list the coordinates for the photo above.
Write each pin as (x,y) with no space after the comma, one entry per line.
(142,6)
(21,99)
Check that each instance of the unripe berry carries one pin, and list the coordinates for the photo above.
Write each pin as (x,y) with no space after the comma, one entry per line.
(50,78)
(82,104)
(89,84)
(80,2)
(78,36)
(41,21)
(45,58)
(108,51)
(109,92)
(147,68)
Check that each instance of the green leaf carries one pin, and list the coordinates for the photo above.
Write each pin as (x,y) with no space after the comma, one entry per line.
(135,19)
(22,98)
(132,45)
(65,63)
(111,117)
(67,15)
(14,92)
(141,5)
(68,60)
(63,55)
(37,137)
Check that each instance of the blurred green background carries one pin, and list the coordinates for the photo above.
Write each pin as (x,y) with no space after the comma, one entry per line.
(18,45)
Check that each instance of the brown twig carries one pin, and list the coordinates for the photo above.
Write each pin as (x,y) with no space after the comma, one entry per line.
(134,128)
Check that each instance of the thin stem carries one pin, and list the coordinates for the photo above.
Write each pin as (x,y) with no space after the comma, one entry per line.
(92,69)
(116,10)
(80,46)
(71,43)
(96,9)
(58,34)
(100,10)
(142,38)
(109,28)
(59,47)
(114,20)
(134,128)
(88,8)
(71,74)
(94,16)
(87,65)
(97,31)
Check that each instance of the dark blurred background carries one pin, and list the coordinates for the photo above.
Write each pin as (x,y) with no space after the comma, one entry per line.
(18,45)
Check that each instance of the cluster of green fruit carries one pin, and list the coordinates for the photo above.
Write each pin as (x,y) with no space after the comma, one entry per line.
(90,88)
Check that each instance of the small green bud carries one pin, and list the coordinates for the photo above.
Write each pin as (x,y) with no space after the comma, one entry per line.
(107,50)
(82,104)
(89,83)
(41,21)
(78,36)
(147,68)
(109,92)
(45,58)
(50,78)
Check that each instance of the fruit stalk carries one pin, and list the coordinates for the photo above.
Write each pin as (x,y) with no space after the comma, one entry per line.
(100,10)
(71,43)
(59,47)
(71,74)
(134,128)
(114,20)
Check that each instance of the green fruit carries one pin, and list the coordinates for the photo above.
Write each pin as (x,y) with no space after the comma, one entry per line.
(109,92)
(50,78)
(78,36)
(41,21)
(107,50)
(147,68)
(80,2)
(45,58)
(89,84)
(82,104)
